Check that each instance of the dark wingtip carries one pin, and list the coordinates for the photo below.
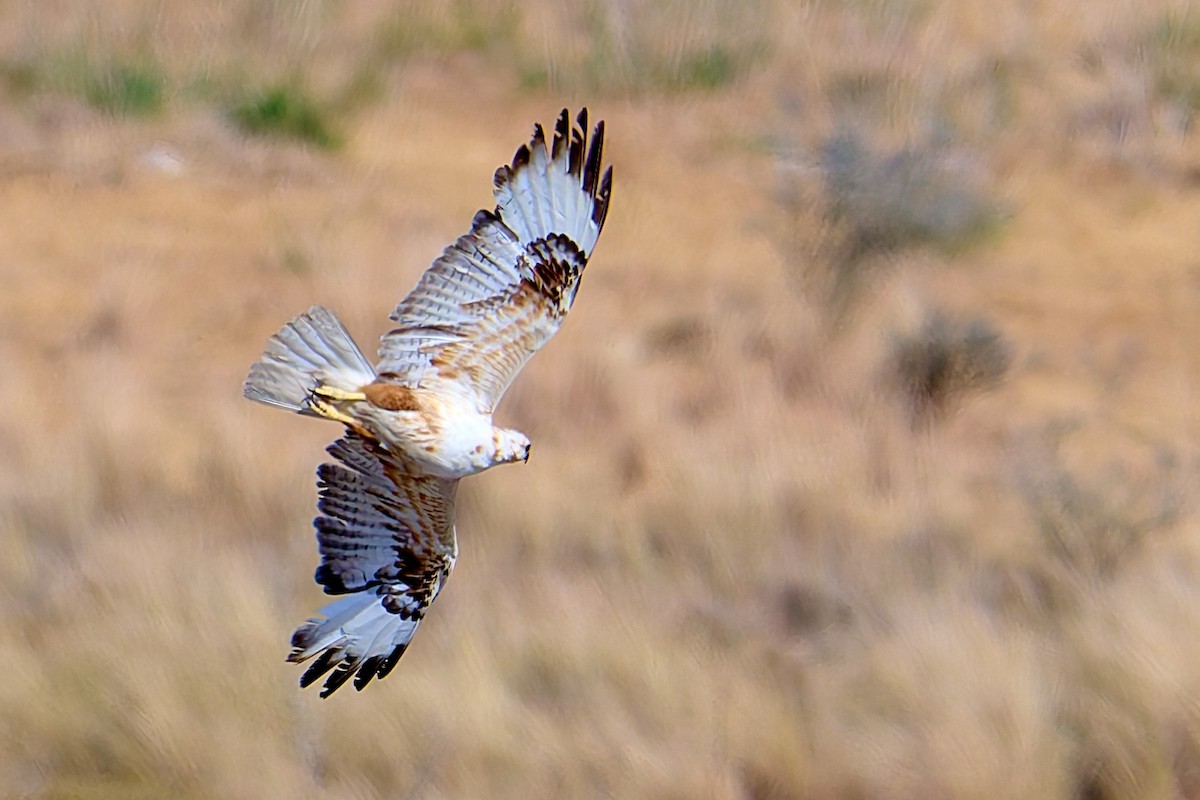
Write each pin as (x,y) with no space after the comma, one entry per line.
(482,218)
(591,168)
(503,175)
(562,131)
(337,680)
(520,158)
(325,662)
(300,639)
(600,209)
(390,662)
(366,672)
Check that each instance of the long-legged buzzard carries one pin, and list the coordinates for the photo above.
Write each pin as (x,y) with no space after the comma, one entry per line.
(422,418)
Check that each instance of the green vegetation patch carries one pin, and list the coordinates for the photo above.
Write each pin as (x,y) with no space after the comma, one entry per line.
(122,88)
(126,90)
(285,111)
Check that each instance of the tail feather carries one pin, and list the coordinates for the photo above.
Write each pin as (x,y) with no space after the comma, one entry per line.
(312,350)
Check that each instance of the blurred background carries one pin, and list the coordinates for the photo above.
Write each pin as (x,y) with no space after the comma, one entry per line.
(864,467)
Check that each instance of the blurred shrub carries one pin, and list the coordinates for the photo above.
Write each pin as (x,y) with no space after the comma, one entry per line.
(1094,526)
(127,90)
(286,111)
(447,28)
(622,47)
(887,201)
(946,359)
(706,69)
(864,204)
(1172,48)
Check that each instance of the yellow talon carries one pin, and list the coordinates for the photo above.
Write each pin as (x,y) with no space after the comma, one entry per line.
(331,393)
(326,410)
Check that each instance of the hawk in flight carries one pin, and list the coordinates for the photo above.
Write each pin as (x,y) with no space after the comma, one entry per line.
(421,419)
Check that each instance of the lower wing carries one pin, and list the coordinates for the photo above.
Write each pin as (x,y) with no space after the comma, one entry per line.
(387,542)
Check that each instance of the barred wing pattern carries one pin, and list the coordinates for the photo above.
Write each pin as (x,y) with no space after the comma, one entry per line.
(500,292)
(386,538)
(385,530)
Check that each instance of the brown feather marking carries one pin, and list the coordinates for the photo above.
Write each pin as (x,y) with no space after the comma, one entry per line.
(445,368)
(433,516)
(391,397)
(512,325)
(495,349)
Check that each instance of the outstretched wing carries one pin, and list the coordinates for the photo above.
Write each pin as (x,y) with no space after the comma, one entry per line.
(499,293)
(386,538)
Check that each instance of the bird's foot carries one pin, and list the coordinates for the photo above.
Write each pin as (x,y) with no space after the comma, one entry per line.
(323,408)
(331,393)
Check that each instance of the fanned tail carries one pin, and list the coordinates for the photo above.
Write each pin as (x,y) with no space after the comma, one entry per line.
(312,350)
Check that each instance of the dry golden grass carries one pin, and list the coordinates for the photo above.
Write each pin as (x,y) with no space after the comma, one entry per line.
(742,563)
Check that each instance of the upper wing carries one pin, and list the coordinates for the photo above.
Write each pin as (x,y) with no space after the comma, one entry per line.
(496,295)
(386,538)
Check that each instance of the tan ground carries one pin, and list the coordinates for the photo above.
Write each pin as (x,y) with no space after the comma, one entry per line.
(736,566)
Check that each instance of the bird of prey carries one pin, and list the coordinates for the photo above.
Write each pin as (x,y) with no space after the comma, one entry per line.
(421,419)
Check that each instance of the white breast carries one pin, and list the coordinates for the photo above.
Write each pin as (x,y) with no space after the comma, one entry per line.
(447,437)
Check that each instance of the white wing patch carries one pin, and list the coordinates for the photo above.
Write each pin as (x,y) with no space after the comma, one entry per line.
(386,538)
(495,296)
